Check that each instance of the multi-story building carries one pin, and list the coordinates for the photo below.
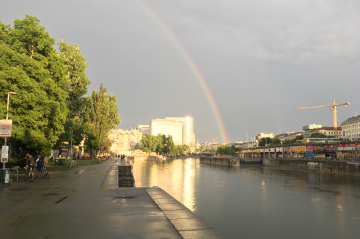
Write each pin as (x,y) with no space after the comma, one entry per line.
(124,141)
(167,127)
(288,135)
(308,128)
(328,131)
(188,135)
(351,128)
(262,135)
(145,129)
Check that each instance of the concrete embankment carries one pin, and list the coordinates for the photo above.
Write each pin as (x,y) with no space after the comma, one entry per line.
(333,166)
(230,162)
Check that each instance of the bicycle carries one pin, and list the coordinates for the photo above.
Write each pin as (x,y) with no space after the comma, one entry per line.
(44,173)
(31,174)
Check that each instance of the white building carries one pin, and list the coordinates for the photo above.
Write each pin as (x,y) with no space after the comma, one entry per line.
(145,129)
(188,135)
(328,131)
(124,141)
(351,128)
(167,127)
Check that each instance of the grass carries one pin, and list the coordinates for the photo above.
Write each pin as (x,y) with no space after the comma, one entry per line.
(53,168)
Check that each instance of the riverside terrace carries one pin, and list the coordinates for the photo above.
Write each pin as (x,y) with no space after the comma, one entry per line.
(339,151)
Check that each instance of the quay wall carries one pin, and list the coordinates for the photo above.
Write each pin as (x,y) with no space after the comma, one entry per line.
(230,162)
(333,166)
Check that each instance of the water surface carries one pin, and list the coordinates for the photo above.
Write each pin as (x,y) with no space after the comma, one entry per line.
(260,202)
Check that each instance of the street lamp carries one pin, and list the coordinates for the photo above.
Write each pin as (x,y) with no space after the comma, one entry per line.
(7,112)
(7,105)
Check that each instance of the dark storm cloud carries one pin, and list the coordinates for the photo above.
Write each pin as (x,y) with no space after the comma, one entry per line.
(260,58)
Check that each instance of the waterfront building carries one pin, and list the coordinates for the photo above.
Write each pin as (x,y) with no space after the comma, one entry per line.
(124,141)
(328,131)
(167,127)
(145,129)
(188,135)
(308,128)
(262,135)
(351,127)
(288,135)
(206,146)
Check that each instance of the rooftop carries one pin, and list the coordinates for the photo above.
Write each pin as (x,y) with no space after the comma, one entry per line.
(352,119)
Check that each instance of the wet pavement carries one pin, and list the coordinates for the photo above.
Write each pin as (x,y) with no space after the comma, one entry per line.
(85,202)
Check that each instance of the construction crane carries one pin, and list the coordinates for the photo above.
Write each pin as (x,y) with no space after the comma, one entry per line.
(213,139)
(334,110)
(197,141)
(230,140)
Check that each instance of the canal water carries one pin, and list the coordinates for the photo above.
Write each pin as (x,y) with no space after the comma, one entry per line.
(260,202)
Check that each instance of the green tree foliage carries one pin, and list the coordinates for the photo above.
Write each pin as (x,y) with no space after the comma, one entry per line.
(276,141)
(76,87)
(30,66)
(225,150)
(100,116)
(138,147)
(318,135)
(265,141)
(149,142)
(76,80)
(236,149)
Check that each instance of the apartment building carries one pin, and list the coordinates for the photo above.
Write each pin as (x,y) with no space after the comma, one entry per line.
(351,127)
(168,127)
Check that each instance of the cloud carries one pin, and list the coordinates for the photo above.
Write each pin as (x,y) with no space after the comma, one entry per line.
(289,31)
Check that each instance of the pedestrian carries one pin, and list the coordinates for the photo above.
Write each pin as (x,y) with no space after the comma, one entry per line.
(40,163)
(31,163)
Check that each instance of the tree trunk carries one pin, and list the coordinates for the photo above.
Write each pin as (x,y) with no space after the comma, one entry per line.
(92,154)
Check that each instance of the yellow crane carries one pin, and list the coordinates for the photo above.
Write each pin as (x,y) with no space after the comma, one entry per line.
(197,141)
(334,110)
(230,140)
(213,139)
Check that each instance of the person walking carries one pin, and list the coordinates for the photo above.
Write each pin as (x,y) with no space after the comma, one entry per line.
(31,163)
(40,163)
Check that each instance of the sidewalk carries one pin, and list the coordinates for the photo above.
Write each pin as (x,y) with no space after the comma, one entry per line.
(85,202)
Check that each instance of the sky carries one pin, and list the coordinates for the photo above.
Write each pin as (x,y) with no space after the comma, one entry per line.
(243,65)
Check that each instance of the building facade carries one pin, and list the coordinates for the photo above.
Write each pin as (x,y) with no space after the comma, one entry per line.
(124,141)
(308,128)
(145,129)
(351,128)
(328,131)
(167,127)
(188,135)
(262,135)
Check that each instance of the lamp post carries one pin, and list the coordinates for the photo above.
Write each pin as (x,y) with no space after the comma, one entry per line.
(7,113)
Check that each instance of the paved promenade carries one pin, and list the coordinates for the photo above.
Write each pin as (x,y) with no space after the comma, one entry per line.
(85,202)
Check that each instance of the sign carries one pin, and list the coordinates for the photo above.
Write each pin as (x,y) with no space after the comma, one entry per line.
(286,149)
(298,149)
(4,154)
(5,128)
(279,149)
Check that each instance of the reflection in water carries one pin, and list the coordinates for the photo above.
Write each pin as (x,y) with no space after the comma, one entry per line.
(260,202)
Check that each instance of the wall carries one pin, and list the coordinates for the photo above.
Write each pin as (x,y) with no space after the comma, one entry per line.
(339,167)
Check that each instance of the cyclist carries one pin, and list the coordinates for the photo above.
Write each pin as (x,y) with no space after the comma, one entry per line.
(31,163)
(40,163)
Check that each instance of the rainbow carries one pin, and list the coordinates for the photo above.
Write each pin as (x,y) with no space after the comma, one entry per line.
(192,66)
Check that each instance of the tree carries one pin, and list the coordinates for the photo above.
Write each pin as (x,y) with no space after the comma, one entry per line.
(138,147)
(29,66)
(276,141)
(100,116)
(298,137)
(76,80)
(160,145)
(149,142)
(225,150)
(264,141)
